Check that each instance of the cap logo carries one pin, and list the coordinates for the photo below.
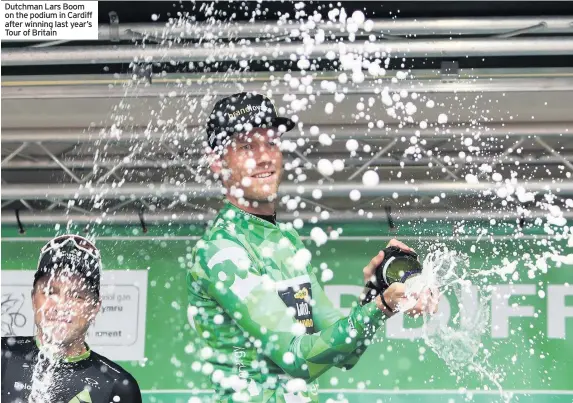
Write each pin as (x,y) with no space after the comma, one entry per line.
(242,111)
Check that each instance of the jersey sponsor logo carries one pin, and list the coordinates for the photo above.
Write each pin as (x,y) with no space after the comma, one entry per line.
(302,309)
(82,397)
(299,301)
(91,381)
(308,323)
(302,294)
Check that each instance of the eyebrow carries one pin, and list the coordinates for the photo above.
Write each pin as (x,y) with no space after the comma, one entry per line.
(242,139)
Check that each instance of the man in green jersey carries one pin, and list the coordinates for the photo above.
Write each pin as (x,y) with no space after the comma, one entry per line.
(267,328)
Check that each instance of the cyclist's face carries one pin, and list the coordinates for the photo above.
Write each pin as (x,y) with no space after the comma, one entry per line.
(63,307)
(254,163)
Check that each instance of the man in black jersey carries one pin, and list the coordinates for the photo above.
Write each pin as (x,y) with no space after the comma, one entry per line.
(56,365)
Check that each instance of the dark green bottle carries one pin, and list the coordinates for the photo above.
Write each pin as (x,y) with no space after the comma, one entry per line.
(397,266)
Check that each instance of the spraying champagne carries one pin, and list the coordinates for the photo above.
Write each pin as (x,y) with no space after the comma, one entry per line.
(398,266)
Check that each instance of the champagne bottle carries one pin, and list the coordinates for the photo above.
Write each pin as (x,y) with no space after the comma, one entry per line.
(397,266)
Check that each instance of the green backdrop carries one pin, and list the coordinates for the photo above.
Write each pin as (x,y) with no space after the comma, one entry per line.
(390,371)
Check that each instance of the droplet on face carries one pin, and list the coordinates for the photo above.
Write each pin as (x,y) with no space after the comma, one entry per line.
(238,193)
(250,163)
(246,181)
(370,178)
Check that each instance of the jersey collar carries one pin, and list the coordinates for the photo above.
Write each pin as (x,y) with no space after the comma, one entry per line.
(230,212)
(70,359)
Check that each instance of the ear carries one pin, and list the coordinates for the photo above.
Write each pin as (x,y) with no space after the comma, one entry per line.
(95,310)
(217,165)
(215,161)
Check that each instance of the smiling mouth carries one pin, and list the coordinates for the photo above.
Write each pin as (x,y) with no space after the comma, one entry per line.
(263,175)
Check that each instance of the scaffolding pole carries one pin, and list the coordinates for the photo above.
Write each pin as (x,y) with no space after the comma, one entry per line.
(534,46)
(198,217)
(350,131)
(394,27)
(342,189)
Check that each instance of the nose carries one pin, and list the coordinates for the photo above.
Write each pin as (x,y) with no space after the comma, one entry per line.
(264,156)
(266,153)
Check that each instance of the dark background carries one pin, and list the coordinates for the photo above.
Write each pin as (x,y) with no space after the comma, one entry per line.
(141,11)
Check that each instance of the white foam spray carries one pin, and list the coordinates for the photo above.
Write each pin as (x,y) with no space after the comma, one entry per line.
(458,344)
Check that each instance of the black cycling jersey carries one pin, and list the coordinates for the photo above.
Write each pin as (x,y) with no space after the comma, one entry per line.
(89,378)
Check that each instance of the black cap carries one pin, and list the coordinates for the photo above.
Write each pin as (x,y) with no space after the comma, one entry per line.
(71,260)
(233,114)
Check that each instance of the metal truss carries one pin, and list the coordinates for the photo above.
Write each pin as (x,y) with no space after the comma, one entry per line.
(56,174)
(100,189)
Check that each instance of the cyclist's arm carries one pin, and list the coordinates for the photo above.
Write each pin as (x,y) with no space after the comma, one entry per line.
(325,315)
(226,273)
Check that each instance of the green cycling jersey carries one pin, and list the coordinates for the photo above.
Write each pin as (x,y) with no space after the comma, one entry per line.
(266,326)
